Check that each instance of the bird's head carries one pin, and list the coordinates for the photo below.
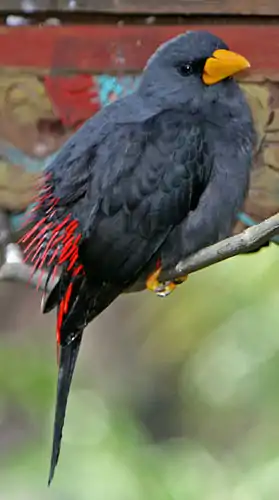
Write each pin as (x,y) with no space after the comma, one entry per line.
(191,63)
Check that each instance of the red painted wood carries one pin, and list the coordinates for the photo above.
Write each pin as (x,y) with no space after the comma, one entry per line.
(74,98)
(112,48)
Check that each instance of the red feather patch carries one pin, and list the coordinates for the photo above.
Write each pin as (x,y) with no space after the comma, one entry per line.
(53,242)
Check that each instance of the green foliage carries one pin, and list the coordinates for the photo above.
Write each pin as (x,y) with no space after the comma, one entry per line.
(217,338)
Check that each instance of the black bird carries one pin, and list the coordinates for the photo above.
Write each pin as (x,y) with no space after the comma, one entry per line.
(151,178)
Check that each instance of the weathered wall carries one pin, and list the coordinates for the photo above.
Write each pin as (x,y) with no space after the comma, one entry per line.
(263,97)
(36,117)
(66,74)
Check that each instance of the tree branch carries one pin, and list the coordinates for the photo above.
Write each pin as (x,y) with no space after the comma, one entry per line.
(14,268)
(247,241)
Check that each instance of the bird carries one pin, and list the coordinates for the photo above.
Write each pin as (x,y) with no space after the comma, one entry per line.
(151,178)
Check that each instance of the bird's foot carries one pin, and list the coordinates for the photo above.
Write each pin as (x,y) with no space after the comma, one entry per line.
(165,288)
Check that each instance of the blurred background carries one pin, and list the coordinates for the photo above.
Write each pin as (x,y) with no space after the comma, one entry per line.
(174,398)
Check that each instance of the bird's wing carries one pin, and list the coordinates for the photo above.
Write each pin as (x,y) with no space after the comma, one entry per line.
(112,197)
(144,181)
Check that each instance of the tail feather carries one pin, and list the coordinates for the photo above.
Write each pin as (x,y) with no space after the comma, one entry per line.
(82,305)
(50,301)
(67,362)
(54,242)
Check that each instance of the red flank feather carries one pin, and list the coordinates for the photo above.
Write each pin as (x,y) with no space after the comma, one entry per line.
(52,242)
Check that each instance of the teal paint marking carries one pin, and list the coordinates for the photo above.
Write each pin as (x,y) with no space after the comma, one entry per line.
(248,221)
(114,87)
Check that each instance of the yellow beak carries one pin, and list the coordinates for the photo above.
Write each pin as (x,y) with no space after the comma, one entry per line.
(223,64)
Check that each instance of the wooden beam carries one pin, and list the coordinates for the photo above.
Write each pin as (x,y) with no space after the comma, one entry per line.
(100,49)
(217,7)
(26,6)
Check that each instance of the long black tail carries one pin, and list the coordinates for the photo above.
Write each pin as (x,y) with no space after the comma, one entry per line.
(82,305)
(67,360)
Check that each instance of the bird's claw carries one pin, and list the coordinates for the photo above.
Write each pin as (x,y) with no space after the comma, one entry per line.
(162,289)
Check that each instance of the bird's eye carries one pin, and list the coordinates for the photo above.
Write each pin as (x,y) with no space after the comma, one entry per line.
(185,69)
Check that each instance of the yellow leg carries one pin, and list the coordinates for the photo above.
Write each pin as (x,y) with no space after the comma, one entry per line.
(162,289)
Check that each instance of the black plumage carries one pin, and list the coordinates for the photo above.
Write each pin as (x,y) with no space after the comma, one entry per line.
(151,178)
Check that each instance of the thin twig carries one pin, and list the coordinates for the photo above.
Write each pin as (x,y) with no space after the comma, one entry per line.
(250,239)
